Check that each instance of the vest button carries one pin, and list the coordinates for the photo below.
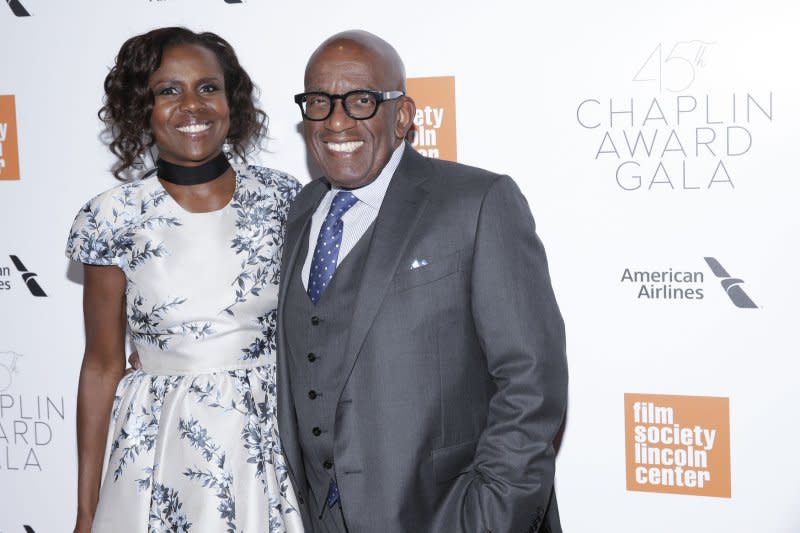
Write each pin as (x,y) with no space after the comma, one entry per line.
(312,357)
(327,465)
(312,394)
(316,431)
(314,320)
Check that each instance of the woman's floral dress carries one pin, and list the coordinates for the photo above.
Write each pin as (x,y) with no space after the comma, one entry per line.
(193,440)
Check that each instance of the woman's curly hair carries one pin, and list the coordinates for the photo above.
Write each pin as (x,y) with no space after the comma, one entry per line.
(128,101)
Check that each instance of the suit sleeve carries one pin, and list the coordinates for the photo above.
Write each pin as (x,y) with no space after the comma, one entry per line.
(521,332)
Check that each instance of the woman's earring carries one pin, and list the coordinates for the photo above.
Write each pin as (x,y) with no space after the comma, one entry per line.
(227,149)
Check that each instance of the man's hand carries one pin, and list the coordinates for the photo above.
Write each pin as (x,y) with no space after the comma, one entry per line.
(133,360)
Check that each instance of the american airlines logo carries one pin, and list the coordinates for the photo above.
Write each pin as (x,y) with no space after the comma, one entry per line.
(733,286)
(678,283)
(17,8)
(28,277)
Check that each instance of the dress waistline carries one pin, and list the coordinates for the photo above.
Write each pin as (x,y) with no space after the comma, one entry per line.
(159,363)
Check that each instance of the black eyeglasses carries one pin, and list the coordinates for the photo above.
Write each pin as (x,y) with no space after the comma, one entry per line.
(360,105)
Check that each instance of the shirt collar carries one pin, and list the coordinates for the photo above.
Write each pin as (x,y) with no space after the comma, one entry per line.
(372,194)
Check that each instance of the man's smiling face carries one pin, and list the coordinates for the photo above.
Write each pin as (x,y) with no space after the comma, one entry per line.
(351,152)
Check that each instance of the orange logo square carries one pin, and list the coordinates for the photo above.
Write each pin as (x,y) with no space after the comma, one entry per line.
(9,153)
(434,131)
(678,444)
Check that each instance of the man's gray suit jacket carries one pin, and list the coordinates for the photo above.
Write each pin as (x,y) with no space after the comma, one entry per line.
(457,381)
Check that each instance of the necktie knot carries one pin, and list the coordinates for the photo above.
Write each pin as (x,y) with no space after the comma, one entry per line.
(342,202)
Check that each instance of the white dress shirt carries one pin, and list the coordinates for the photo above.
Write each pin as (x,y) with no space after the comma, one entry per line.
(358,218)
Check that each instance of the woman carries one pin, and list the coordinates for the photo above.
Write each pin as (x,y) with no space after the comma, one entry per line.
(191,258)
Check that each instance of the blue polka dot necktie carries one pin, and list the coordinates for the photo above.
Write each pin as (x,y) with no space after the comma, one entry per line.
(326,253)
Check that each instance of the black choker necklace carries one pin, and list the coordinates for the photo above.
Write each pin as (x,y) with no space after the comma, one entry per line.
(180,175)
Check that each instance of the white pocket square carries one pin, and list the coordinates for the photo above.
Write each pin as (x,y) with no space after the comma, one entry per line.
(417,263)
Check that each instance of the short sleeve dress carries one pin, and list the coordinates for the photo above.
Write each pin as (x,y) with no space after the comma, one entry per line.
(194,436)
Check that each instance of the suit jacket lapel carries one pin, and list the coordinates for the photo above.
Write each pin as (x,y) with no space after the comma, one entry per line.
(400,211)
(296,228)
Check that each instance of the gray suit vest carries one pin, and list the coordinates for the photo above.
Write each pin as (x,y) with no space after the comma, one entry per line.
(317,336)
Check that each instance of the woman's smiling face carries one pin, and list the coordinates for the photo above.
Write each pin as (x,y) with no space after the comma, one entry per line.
(190,117)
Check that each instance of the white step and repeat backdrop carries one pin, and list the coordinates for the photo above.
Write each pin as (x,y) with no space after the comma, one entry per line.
(656,143)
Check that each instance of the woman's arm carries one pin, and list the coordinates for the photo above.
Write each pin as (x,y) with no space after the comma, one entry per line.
(102,368)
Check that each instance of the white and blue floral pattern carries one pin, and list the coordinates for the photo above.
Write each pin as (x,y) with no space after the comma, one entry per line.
(194,440)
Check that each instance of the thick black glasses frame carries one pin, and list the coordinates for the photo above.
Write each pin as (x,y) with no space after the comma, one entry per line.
(380,97)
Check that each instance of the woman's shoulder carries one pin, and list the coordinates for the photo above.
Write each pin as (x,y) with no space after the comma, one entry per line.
(112,210)
(278,180)
(125,195)
(97,228)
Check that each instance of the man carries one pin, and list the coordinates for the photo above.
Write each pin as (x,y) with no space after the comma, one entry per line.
(421,385)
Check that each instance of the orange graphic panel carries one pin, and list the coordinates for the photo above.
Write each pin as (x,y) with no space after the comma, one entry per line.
(9,153)
(434,132)
(678,444)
